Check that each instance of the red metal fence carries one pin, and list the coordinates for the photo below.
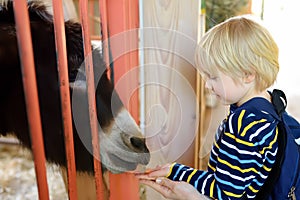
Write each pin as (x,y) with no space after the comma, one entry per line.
(123,15)
(31,94)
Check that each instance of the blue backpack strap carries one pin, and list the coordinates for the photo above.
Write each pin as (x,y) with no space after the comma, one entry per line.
(279,102)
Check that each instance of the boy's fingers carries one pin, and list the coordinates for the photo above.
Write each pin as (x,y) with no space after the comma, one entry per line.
(164,171)
(158,173)
(153,184)
(146,172)
(165,191)
(165,182)
(145,177)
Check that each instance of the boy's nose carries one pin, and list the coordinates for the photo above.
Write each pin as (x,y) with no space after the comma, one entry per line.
(208,85)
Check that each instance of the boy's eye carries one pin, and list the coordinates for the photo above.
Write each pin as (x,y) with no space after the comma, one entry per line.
(213,77)
(207,76)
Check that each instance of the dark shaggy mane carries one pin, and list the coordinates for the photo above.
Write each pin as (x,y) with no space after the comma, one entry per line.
(37,11)
(12,102)
(38,14)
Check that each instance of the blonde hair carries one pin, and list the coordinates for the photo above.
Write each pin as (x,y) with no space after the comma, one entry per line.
(237,47)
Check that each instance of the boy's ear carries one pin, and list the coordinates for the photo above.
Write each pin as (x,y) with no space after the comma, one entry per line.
(249,77)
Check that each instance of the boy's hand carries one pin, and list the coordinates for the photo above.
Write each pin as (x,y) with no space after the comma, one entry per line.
(173,189)
(152,174)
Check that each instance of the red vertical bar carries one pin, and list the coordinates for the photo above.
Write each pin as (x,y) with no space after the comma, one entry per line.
(132,58)
(104,22)
(91,97)
(60,41)
(91,12)
(123,15)
(31,95)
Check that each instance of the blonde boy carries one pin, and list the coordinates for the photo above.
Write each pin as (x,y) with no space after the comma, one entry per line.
(238,60)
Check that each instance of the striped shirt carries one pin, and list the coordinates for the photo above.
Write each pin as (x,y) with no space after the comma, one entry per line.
(242,155)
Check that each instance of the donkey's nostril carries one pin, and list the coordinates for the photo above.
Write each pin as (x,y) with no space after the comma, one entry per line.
(139,144)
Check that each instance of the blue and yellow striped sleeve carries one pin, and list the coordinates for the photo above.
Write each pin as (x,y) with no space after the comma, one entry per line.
(240,160)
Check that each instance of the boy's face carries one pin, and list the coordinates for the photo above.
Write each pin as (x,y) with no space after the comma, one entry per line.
(229,90)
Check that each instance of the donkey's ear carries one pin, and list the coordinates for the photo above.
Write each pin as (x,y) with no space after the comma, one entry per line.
(78,86)
(100,67)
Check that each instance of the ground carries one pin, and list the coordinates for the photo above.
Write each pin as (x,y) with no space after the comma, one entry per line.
(17,176)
